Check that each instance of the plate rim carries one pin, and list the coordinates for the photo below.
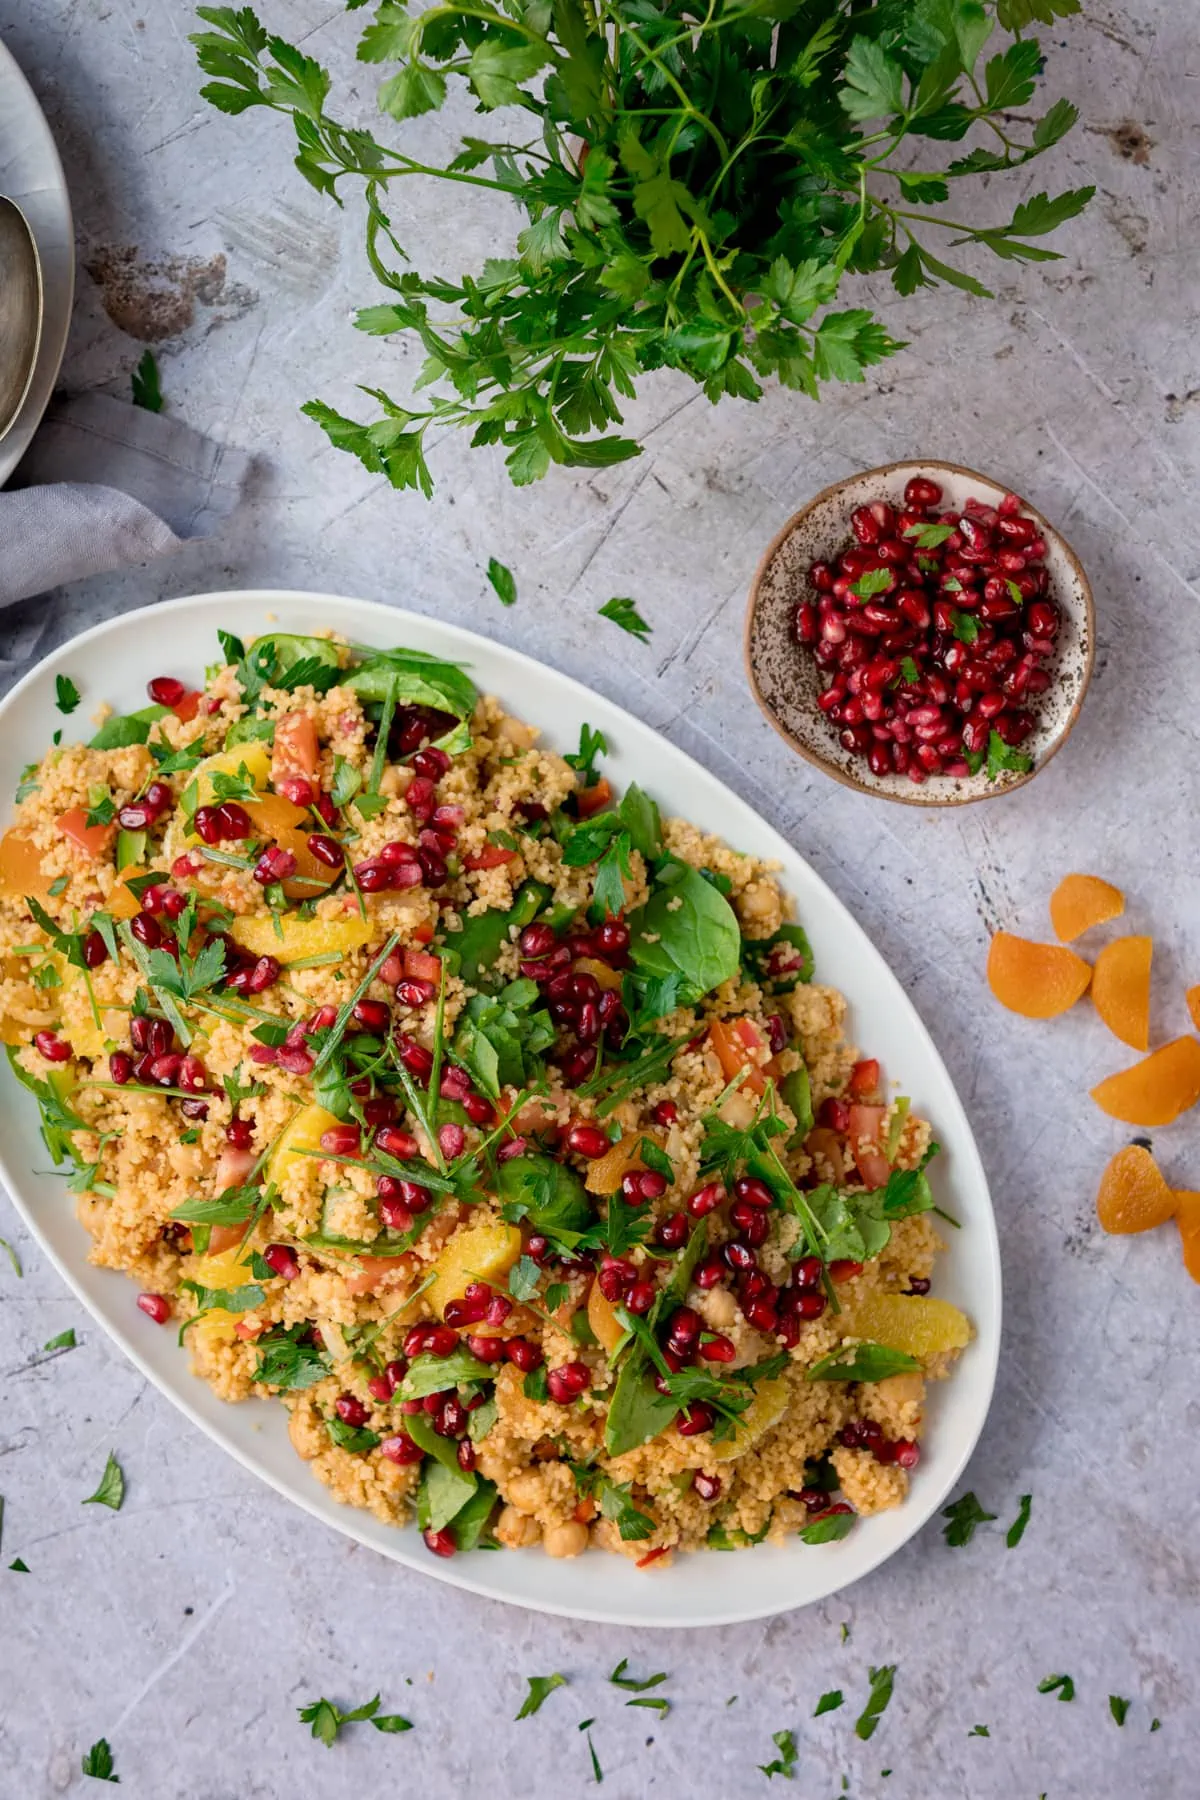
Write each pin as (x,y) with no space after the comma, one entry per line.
(344,1519)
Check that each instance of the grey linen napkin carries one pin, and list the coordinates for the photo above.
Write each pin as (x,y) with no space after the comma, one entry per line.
(105,484)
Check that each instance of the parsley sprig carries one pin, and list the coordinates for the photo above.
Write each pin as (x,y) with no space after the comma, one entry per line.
(740,164)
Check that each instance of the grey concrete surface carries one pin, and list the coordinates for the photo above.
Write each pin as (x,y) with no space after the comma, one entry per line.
(188,1627)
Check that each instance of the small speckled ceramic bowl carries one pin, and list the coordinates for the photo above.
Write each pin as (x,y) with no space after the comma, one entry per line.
(785,680)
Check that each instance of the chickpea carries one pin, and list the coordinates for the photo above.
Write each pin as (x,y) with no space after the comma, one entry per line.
(515,1531)
(565,1540)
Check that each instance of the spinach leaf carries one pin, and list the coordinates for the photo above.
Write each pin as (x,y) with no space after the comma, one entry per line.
(639,816)
(637,1411)
(795,1090)
(686,928)
(122,730)
(863,1362)
(414,679)
(470,1521)
(499,1041)
(484,935)
(430,1374)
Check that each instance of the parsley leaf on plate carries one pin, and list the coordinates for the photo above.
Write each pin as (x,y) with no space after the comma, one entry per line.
(964,1515)
(592,746)
(12,1256)
(1060,1685)
(624,612)
(1002,756)
(111,1491)
(620,1679)
(144,384)
(1118,1707)
(829,1702)
(540,1689)
(872,582)
(64,1341)
(66,694)
(979,1731)
(327,1720)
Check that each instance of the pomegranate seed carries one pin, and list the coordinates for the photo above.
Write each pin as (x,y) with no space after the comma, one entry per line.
(487,1349)
(707,1486)
(49,1045)
(739,1257)
(440,1542)
(431,1340)
(147,930)
(589,1141)
(192,1074)
(478,1109)
(155,1306)
(394,1141)
(807,1273)
(164,690)
(577,1066)
(415,1057)
(401,1449)
(451,1139)
(379,1389)
(710,1273)
(350,1410)
(297,789)
(694,1419)
(753,1191)
(706,1199)
(672,1231)
(326,849)
(683,1331)
(120,1067)
(665,1113)
(466,1455)
(280,1259)
(844,1270)
(342,1140)
(761,1315)
(834,1114)
(523,1355)
(753,1227)
(373,1015)
(718,1348)
(568,1381)
(239,1133)
(274,864)
(641,1297)
(416,1196)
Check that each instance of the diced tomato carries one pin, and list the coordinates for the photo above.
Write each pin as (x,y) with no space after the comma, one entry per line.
(585,1512)
(295,751)
(591,800)
(652,1556)
(844,1270)
(249,1328)
(423,933)
(866,1123)
(373,1270)
(864,1078)
(93,840)
(422,965)
(186,709)
(492,856)
(233,1166)
(731,1043)
(224,1237)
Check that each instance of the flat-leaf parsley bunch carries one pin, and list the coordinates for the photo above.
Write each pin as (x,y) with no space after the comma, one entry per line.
(697,177)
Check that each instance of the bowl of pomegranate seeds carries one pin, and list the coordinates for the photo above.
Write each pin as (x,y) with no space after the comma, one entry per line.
(920,633)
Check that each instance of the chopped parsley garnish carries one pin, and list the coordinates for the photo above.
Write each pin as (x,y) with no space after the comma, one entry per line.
(1118,1707)
(12,1256)
(872,582)
(964,626)
(597,1771)
(624,612)
(98,1763)
(327,1720)
(829,1702)
(877,1701)
(963,1515)
(979,1731)
(111,1491)
(1060,1685)
(20,1567)
(658,1703)
(144,386)
(620,1679)
(64,1341)
(592,746)
(785,1763)
(540,1689)
(1016,1530)
(66,694)
(503,582)
(928,537)
(1001,756)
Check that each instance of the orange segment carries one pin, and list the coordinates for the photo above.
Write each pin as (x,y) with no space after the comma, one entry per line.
(1133,1195)
(1039,981)
(1121,989)
(1156,1090)
(1193,1005)
(1187,1217)
(1081,901)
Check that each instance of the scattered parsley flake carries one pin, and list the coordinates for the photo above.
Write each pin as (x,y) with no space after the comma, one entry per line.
(877,1701)
(66,698)
(659,1702)
(111,1491)
(64,1341)
(785,1763)
(979,1731)
(1015,594)
(144,384)
(98,1763)
(1002,756)
(872,582)
(829,1702)
(1016,1530)
(964,1515)
(623,612)
(1118,1707)
(540,1689)
(20,1567)
(1060,1684)
(327,1720)
(928,537)
(503,582)
(1155,1724)
(597,1771)
(12,1256)
(630,1682)
(845,1631)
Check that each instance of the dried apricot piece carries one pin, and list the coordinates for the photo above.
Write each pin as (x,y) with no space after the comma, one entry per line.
(1081,901)
(1187,1217)
(1039,981)
(1133,1195)
(1157,1089)
(1121,989)
(1193,1004)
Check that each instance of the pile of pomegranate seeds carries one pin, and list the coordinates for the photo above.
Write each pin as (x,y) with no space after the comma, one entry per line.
(936,629)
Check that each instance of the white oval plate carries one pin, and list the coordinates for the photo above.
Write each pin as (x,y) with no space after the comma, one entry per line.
(113,662)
